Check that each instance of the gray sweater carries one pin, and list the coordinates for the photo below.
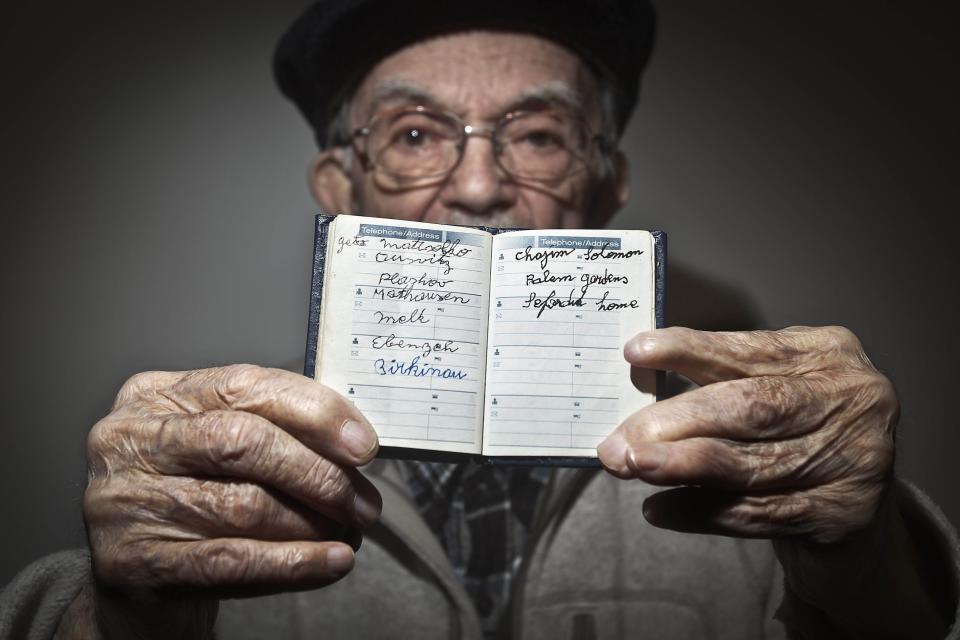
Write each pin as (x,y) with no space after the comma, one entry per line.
(594,569)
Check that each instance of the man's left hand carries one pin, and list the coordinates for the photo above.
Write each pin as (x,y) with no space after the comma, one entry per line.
(789,434)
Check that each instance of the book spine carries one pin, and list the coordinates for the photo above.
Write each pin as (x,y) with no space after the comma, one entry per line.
(542,461)
(660,296)
(659,278)
(320,231)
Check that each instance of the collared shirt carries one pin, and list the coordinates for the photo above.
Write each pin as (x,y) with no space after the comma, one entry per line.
(481,514)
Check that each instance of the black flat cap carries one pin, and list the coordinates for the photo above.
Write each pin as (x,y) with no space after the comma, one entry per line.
(332,46)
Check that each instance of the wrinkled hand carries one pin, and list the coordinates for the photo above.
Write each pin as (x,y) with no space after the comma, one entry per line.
(790,433)
(234,480)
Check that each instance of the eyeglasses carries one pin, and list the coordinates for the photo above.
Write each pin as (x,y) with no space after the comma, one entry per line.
(414,146)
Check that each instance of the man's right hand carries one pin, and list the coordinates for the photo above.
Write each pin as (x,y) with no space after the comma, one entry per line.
(236,481)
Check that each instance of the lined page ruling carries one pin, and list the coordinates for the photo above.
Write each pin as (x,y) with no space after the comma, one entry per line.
(404,331)
(563,303)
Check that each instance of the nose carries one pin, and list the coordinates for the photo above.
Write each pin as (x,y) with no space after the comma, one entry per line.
(478,185)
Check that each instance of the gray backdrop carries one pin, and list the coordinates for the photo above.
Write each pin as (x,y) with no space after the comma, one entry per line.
(156,214)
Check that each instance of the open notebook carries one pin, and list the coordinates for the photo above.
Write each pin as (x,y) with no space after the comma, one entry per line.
(499,344)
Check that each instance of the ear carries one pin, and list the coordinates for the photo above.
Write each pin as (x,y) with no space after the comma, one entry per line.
(330,182)
(612,192)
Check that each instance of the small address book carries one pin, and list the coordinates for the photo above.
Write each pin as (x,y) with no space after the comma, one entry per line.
(504,346)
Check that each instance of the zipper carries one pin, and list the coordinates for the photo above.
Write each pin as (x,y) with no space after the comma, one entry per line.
(563,488)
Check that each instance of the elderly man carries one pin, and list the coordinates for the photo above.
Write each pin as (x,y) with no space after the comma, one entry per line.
(242,481)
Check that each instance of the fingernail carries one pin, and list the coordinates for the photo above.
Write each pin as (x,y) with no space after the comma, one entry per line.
(639,347)
(368,511)
(358,438)
(646,457)
(339,559)
(612,451)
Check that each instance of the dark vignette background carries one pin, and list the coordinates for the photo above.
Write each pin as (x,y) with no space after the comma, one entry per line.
(156,216)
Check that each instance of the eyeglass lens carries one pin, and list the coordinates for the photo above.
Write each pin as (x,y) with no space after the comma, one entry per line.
(419,144)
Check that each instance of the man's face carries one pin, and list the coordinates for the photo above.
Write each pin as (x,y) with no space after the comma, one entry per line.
(481,76)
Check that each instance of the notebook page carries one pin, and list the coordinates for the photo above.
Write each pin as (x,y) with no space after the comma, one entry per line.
(404,329)
(563,304)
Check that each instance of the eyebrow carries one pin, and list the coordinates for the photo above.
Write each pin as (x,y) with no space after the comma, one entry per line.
(556,93)
(398,89)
